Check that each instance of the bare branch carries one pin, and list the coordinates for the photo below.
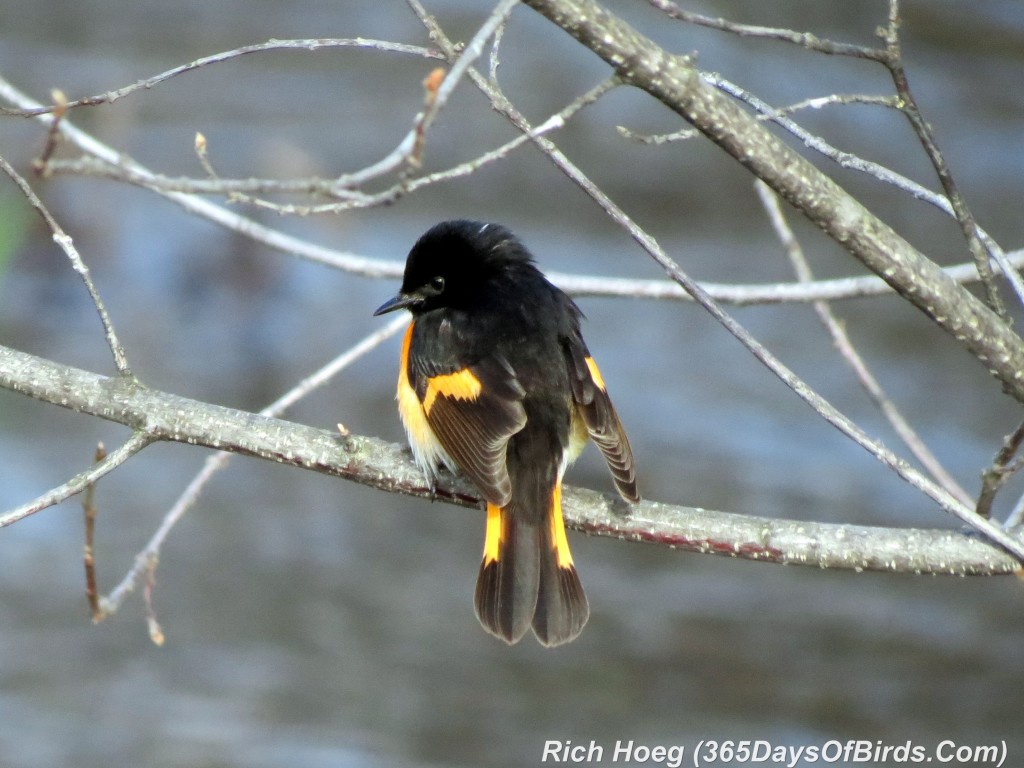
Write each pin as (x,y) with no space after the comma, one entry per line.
(748,295)
(850,161)
(237,189)
(156,632)
(674,80)
(789,542)
(60,108)
(891,57)
(470,53)
(894,63)
(389,467)
(410,147)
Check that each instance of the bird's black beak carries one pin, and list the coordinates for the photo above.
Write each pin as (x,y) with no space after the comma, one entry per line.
(401,301)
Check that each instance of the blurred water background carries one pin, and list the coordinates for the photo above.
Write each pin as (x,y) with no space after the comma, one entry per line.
(312,622)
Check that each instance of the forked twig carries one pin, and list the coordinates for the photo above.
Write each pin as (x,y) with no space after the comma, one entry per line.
(67,245)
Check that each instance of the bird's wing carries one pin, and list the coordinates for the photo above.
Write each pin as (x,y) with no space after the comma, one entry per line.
(595,408)
(473,410)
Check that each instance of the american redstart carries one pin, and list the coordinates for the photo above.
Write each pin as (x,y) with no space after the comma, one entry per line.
(496,382)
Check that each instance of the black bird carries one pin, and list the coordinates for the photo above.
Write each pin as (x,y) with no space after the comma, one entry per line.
(495,381)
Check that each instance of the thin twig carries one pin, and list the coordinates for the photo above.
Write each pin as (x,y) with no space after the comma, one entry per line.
(1016,516)
(848,352)
(470,53)
(236,189)
(68,246)
(431,87)
(495,59)
(410,148)
(214,185)
(156,632)
(88,554)
(893,61)
(271,45)
(146,560)
(79,482)
(1003,467)
(816,102)
(803,39)
(736,294)
(60,107)
(439,98)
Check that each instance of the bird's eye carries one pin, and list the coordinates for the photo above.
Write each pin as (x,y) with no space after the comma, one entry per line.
(437,283)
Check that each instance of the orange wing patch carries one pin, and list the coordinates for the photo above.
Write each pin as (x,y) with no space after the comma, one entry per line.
(461,385)
(595,374)
(461,418)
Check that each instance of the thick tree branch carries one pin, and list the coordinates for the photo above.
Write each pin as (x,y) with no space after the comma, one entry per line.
(676,82)
(386,466)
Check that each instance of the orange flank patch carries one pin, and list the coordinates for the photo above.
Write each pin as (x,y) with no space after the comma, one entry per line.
(562,554)
(461,385)
(595,374)
(492,542)
(421,436)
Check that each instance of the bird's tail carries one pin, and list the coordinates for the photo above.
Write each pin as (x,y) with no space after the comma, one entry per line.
(527,577)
